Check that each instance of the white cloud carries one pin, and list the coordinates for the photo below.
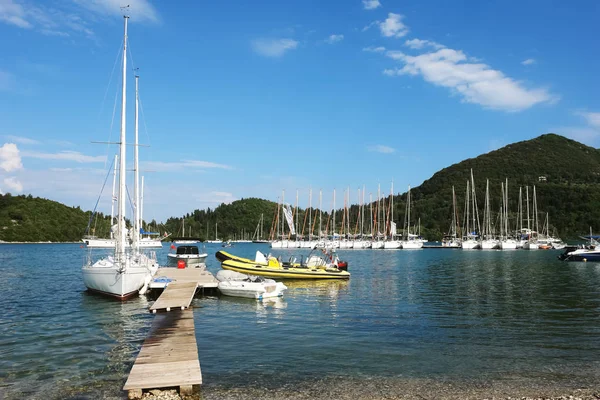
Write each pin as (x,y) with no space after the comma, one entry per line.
(14,14)
(476,82)
(393,26)
(65,155)
(379,148)
(371,4)
(592,118)
(21,139)
(183,164)
(273,47)
(10,158)
(581,134)
(334,39)
(379,49)
(585,134)
(138,10)
(529,61)
(13,184)
(419,44)
(62,19)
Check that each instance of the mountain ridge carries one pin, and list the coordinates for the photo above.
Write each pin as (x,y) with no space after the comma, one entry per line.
(566,174)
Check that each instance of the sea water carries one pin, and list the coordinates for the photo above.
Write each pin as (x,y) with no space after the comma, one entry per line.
(432,314)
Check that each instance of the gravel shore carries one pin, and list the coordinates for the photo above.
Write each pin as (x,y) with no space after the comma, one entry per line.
(390,388)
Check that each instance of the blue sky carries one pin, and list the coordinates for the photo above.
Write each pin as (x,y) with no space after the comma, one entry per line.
(246,99)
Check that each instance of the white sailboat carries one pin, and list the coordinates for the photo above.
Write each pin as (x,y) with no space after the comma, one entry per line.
(185,241)
(392,243)
(532,242)
(452,240)
(411,240)
(217,240)
(507,241)
(489,241)
(127,271)
(470,241)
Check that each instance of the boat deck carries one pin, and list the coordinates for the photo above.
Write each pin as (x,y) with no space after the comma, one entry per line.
(200,276)
(169,356)
(177,295)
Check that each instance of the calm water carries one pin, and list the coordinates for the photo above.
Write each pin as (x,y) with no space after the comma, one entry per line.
(435,314)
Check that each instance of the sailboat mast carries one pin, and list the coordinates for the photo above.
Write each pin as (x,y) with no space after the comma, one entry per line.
(520,210)
(467,207)
(282,213)
(136,172)
(297,227)
(309,213)
(320,212)
(333,227)
(392,205)
(114,198)
(371,203)
(527,197)
(535,214)
(453,226)
(408,214)
(142,204)
(362,223)
(121,243)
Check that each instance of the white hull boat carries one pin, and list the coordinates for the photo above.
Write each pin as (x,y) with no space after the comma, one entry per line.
(508,244)
(470,244)
(490,244)
(110,243)
(235,284)
(412,244)
(392,245)
(378,244)
(110,278)
(531,246)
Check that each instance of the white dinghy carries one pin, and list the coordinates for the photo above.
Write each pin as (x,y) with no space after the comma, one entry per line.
(232,283)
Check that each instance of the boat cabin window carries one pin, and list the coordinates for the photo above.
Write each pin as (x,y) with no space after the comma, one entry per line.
(187,250)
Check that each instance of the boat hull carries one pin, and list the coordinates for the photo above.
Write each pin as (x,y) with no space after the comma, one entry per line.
(108,281)
(412,244)
(110,243)
(276,270)
(583,255)
(470,244)
(252,290)
(191,260)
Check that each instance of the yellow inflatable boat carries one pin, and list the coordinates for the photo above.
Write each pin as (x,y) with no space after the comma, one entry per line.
(314,267)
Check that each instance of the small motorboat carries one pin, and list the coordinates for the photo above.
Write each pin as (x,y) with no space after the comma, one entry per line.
(236,284)
(314,266)
(189,255)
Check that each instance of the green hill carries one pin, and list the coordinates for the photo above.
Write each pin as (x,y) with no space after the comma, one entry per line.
(566,175)
(33,219)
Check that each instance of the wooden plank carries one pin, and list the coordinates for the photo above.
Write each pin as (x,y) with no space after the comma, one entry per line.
(177,295)
(169,355)
(202,277)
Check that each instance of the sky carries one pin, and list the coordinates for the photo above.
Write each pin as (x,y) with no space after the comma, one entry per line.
(248,99)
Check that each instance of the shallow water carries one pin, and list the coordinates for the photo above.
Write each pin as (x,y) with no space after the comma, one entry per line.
(517,317)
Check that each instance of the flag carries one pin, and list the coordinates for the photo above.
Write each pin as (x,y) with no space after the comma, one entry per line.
(287,210)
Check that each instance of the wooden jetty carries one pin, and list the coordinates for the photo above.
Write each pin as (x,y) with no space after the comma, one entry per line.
(200,276)
(169,356)
(176,295)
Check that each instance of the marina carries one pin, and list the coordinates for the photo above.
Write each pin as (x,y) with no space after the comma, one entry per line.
(439,316)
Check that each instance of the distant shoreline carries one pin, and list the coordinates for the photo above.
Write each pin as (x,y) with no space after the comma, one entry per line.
(3,242)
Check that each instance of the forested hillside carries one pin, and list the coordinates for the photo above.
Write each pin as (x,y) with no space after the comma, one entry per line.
(566,175)
(33,219)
